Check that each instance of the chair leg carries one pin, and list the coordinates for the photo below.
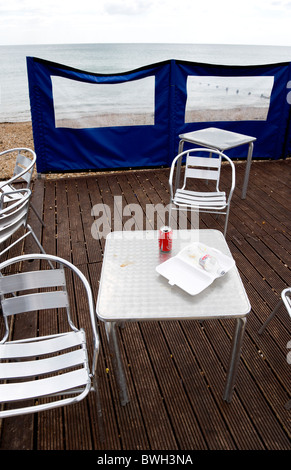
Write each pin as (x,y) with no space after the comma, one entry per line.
(37,214)
(226,221)
(38,243)
(270,317)
(99,410)
(170,214)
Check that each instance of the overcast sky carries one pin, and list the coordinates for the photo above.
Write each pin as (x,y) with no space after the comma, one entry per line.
(264,22)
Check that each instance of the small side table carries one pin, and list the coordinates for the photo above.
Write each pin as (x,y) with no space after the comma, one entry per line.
(222,140)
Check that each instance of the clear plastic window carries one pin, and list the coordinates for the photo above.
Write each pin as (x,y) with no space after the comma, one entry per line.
(212,98)
(84,105)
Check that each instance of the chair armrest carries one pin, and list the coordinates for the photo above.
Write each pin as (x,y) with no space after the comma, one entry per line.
(232,175)
(26,192)
(286,293)
(174,162)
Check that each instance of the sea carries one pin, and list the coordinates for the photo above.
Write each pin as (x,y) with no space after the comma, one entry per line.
(115,58)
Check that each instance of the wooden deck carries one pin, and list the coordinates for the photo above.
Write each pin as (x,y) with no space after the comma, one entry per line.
(176,370)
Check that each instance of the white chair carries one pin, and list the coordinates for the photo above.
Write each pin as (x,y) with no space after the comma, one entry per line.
(34,371)
(201,164)
(22,174)
(285,300)
(13,216)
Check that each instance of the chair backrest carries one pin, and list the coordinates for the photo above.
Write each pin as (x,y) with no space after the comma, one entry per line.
(34,280)
(14,214)
(40,290)
(199,167)
(24,165)
(25,302)
(202,168)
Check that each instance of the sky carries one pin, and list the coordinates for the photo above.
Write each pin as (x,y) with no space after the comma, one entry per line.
(261,22)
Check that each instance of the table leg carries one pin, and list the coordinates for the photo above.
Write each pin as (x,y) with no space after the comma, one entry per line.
(237,340)
(181,146)
(117,362)
(178,166)
(247,172)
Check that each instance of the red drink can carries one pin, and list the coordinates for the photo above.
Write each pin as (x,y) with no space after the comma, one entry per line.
(165,239)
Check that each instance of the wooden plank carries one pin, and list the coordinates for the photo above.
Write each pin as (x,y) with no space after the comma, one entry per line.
(50,214)
(93,249)
(79,255)
(62,221)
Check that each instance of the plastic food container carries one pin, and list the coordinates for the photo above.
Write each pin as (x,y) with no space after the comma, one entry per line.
(195,267)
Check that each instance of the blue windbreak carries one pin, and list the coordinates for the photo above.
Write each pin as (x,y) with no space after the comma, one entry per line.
(62,149)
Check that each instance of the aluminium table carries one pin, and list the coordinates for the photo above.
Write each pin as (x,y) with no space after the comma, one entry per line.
(220,139)
(131,290)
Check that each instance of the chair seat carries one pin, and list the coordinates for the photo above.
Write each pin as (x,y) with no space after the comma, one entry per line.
(201,200)
(63,369)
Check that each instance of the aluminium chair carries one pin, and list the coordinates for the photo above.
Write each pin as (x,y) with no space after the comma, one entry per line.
(53,370)
(285,300)
(201,164)
(13,217)
(22,174)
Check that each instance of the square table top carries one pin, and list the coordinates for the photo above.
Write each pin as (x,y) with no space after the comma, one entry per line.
(215,138)
(131,289)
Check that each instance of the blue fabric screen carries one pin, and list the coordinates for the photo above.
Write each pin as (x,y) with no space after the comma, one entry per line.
(63,149)
(273,137)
